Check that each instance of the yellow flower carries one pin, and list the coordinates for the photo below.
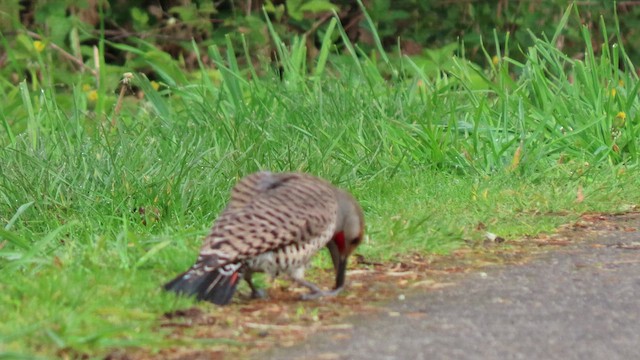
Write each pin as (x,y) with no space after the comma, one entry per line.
(621,82)
(495,60)
(92,95)
(155,85)
(619,121)
(38,45)
(86,87)
(613,92)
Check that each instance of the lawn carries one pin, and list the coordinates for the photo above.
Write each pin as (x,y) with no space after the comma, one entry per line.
(103,198)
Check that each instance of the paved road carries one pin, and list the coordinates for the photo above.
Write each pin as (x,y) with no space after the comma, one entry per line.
(577,302)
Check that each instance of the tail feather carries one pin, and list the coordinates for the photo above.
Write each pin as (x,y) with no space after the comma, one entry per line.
(216,286)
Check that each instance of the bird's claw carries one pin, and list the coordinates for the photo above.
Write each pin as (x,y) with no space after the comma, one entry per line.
(320,294)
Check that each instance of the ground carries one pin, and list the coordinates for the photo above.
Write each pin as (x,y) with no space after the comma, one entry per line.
(576,301)
(251,327)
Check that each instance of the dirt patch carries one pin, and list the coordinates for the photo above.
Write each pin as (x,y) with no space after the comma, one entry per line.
(247,327)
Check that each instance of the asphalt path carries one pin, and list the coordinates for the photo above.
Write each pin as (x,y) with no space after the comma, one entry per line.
(580,301)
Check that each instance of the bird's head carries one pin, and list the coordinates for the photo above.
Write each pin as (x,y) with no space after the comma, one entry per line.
(348,234)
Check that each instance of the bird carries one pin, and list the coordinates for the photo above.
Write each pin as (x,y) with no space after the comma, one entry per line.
(274,223)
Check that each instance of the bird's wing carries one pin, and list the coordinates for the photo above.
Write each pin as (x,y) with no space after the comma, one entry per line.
(251,186)
(268,211)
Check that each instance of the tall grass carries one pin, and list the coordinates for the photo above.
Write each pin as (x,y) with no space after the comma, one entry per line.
(95,217)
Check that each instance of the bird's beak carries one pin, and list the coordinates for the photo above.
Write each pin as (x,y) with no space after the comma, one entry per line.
(339,263)
(340,272)
(335,254)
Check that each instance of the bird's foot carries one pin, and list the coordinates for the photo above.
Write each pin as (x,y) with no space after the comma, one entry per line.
(315,291)
(320,294)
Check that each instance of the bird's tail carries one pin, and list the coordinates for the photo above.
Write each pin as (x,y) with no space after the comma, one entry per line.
(216,286)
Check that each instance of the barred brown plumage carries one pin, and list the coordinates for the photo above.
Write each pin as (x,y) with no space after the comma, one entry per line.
(274,223)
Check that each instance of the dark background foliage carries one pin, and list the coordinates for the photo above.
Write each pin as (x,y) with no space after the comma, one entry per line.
(412,27)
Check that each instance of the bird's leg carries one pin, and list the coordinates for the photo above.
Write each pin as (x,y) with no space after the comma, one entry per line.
(316,292)
(255,292)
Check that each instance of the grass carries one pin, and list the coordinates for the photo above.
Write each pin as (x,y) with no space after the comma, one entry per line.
(518,147)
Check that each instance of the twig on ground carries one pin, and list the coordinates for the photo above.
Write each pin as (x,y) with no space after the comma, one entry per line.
(297,327)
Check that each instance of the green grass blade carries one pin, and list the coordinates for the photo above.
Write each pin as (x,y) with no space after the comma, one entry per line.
(326,46)
(32,124)
(14,239)
(16,216)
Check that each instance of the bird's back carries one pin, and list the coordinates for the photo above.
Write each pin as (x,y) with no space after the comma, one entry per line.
(267,212)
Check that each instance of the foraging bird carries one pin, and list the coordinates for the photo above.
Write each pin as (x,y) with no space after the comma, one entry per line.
(274,223)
